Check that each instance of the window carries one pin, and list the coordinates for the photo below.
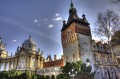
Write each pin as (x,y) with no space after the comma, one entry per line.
(79,55)
(66,58)
(73,56)
(69,32)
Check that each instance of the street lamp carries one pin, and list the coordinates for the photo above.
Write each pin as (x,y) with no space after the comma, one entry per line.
(87,62)
(73,73)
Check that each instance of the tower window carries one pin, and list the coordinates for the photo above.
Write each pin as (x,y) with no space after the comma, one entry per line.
(66,58)
(69,32)
(94,46)
(79,54)
(73,56)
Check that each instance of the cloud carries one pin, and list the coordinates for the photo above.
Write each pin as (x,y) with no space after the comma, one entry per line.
(57,14)
(50,26)
(23,27)
(35,20)
(14,40)
(57,17)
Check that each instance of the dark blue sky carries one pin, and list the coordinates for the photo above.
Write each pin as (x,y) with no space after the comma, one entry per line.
(42,19)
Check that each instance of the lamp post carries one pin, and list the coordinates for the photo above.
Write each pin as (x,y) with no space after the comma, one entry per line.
(73,73)
(87,62)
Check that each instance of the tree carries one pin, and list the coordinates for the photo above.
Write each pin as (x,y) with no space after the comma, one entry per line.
(107,23)
(52,77)
(47,77)
(25,75)
(83,71)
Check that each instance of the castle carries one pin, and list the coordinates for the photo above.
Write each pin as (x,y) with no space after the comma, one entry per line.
(77,45)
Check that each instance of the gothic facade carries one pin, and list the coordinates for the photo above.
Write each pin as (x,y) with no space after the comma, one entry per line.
(78,45)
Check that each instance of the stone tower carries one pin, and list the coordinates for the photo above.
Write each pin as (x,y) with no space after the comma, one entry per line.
(3,52)
(76,38)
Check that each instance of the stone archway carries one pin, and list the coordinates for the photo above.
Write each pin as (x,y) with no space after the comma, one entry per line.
(98,74)
(112,73)
(106,73)
(7,66)
(2,67)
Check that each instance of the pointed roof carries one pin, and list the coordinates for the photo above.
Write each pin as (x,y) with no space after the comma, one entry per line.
(73,17)
(49,58)
(84,18)
(72,13)
(72,4)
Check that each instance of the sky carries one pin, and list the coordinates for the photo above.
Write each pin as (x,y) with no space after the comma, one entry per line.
(42,19)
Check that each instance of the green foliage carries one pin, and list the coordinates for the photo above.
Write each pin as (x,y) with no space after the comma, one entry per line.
(25,75)
(52,77)
(47,77)
(83,71)
(62,76)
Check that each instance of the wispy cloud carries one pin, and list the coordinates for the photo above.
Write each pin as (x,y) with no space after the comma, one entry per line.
(57,17)
(14,40)
(50,26)
(23,27)
(57,14)
(35,20)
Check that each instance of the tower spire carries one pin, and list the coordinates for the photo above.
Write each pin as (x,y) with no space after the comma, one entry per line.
(29,36)
(72,4)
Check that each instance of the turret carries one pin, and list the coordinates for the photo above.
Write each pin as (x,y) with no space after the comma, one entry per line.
(84,19)
(55,57)
(72,14)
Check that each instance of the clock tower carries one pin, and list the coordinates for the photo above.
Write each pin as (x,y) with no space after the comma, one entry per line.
(76,38)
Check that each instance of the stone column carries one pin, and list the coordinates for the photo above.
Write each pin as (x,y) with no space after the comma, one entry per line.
(28,64)
(5,66)
(15,63)
(10,63)
(14,67)
(41,62)
(38,61)
(0,65)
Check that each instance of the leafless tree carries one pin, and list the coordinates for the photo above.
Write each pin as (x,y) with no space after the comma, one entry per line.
(107,23)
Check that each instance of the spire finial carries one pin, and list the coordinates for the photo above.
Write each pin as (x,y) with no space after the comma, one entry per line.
(0,39)
(72,4)
(29,36)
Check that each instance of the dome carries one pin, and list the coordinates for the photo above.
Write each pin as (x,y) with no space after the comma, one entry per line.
(29,43)
(116,38)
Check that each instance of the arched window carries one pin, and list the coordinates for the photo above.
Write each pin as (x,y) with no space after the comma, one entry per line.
(73,56)
(66,58)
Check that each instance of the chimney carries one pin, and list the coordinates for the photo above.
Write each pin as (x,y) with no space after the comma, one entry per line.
(55,57)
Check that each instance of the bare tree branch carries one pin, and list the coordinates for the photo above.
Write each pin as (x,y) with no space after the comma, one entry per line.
(107,23)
